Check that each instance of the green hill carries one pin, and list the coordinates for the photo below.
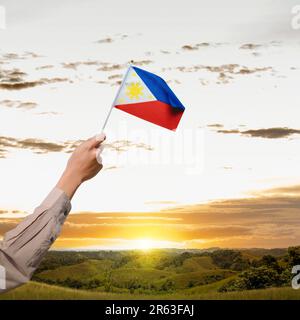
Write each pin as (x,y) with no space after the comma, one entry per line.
(82,271)
(198,264)
(163,274)
(140,272)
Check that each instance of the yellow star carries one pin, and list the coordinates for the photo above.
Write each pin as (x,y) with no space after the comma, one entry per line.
(134,90)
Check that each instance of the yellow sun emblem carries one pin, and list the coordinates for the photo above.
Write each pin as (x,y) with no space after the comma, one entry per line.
(134,90)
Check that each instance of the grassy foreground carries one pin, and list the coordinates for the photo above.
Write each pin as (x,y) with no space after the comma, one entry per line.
(38,291)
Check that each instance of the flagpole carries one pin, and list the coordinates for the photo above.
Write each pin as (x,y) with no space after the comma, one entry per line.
(116,97)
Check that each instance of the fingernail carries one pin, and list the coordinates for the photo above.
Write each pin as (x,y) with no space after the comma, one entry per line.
(100,137)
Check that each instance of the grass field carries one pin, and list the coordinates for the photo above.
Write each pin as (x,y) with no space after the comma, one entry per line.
(138,273)
(38,291)
(162,274)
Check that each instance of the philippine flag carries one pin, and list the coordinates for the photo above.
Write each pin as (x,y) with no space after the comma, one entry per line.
(147,96)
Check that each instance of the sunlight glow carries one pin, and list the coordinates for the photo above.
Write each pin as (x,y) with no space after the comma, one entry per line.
(145,244)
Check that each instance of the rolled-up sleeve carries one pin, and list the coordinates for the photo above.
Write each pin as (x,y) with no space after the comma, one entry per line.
(24,247)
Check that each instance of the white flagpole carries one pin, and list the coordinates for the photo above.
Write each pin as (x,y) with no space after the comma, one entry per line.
(116,97)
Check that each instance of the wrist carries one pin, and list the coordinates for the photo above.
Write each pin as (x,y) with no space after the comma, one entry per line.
(69,183)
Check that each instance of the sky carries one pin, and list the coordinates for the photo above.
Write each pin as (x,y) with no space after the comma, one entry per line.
(229,175)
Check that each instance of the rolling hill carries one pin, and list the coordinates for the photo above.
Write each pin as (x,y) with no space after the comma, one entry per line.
(163,274)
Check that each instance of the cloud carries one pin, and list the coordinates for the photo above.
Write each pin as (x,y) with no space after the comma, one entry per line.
(48,66)
(115,76)
(269,133)
(116,79)
(188,47)
(245,70)
(111,40)
(76,64)
(231,68)
(15,79)
(10,211)
(107,67)
(111,67)
(105,40)
(110,167)
(11,216)
(224,73)
(152,218)
(18,104)
(41,146)
(11,56)
(36,145)
(141,63)
(125,145)
(173,81)
(268,218)
(272,133)
(203,44)
(47,113)
(19,85)
(287,191)
(7,224)
(250,46)
(2,153)
(162,202)
(215,125)
(13,75)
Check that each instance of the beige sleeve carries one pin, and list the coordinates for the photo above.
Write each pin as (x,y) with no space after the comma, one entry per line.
(24,247)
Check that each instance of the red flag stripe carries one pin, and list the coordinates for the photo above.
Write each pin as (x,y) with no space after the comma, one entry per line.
(156,112)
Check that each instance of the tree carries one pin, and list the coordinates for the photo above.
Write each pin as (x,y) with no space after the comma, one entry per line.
(168,285)
(255,278)
(294,256)
(269,262)
(230,259)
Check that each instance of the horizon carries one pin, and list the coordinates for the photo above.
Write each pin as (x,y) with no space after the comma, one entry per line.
(174,249)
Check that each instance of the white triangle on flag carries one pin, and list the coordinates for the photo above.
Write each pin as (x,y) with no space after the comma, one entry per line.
(133,90)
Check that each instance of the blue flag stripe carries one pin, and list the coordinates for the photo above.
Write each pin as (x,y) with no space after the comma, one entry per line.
(159,88)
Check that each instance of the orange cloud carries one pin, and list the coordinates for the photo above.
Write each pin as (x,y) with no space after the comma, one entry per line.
(267,219)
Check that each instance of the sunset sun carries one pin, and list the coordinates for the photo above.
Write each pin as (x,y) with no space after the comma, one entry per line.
(145,244)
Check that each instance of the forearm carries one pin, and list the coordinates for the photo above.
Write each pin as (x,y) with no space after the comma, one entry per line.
(24,247)
(69,183)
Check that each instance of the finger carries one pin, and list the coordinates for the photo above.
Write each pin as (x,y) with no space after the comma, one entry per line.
(99,158)
(98,154)
(100,137)
(96,140)
(101,148)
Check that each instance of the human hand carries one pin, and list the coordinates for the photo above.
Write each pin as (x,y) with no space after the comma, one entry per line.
(84,163)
